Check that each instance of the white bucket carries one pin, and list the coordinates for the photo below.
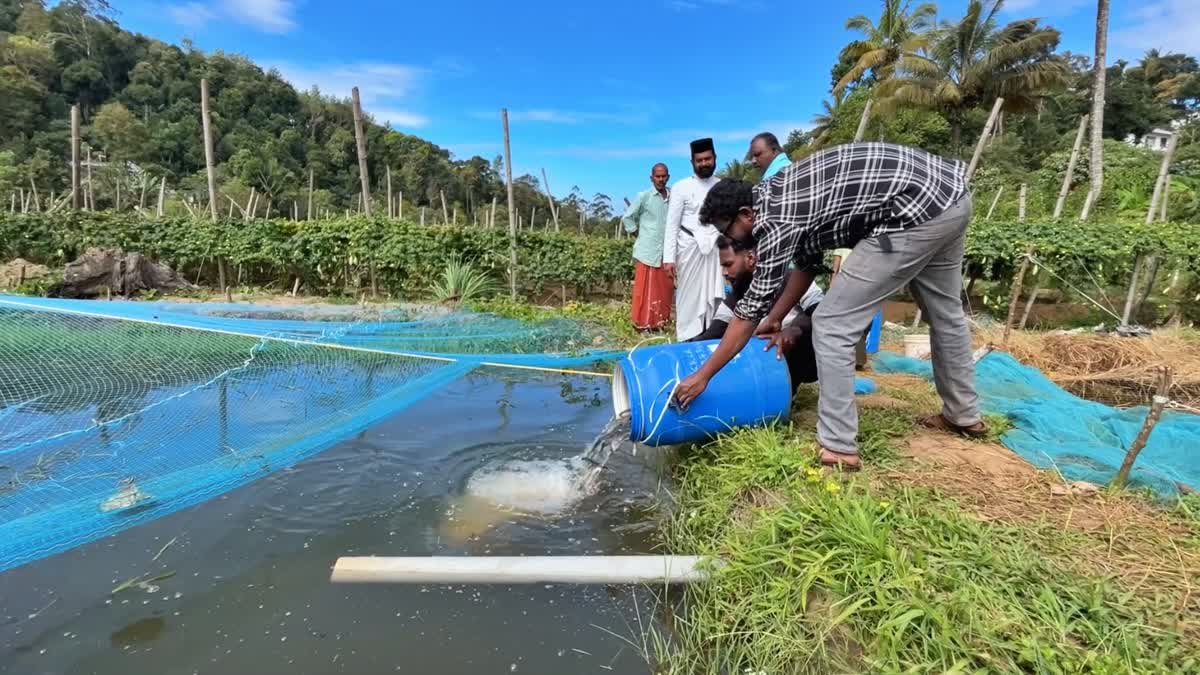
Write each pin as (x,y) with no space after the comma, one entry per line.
(917,346)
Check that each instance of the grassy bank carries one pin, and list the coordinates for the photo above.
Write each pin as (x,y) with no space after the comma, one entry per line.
(942,556)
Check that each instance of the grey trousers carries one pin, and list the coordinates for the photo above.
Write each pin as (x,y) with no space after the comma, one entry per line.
(928,257)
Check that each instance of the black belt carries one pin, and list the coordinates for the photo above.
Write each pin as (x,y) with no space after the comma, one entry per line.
(687,232)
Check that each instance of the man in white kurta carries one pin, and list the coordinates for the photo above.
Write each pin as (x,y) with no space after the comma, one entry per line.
(690,248)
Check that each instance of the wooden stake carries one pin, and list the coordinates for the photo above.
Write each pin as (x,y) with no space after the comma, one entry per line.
(532,216)
(1160,401)
(269,202)
(295,210)
(445,212)
(454,217)
(1066,186)
(400,205)
(76,188)
(308,212)
(1021,204)
(210,168)
(862,123)
(1099,76)
(1018,280)
(1133,282)
(512,208)
(422,216)
(360,142)
(1037,288)
(492,217)
(390,213)
(251,206)
(994,202)
(1161,183)
(987,130)
(550,197)
(1087,205)
(142,197)
(37,202)
(209,161)
(162,196)
(91,198)
(1166,193)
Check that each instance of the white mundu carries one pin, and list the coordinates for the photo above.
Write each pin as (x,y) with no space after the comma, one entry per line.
(692,247)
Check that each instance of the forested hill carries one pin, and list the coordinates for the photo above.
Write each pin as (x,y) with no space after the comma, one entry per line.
(140,101)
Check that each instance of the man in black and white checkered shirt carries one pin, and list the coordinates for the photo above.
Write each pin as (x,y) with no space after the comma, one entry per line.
(905,213)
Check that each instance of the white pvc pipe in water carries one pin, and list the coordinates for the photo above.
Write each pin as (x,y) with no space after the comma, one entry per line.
(592,569)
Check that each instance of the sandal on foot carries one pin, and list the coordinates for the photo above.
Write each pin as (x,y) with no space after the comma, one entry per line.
(938,422)
(837,460)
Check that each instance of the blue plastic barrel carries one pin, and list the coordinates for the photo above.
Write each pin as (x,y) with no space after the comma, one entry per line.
(754,388)
(873,334)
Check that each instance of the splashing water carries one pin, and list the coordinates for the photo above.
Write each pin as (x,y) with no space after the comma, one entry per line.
(550,486)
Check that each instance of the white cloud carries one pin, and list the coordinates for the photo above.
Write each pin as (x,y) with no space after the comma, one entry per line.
(192,14)
(397,118)
(269,16)
(383,88)
(375,81)
(1168,25)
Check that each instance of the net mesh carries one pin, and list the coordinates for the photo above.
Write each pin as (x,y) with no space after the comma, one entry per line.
(114,413)
(1081,439)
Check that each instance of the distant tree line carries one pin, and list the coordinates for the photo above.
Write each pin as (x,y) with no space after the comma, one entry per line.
(140,105)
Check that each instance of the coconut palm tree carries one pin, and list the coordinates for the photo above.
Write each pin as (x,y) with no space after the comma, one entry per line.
(971,62)
(898,32)
(738,170)
(823,122)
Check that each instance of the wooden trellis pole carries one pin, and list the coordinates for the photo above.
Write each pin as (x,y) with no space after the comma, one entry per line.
(983,137)
(308,212)
(1018,280)
(512,208)
(995,201)
(1066,186)
(91,198)
(360,143)
(862,122)
(390,213)
(550,198)
(76,192)
(1160,184)
(210,168)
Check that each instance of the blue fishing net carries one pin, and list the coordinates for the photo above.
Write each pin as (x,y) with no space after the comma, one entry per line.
(1081,439)
(115,413)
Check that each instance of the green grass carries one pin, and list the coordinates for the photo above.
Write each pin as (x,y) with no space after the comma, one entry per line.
(611,320)
(830,574)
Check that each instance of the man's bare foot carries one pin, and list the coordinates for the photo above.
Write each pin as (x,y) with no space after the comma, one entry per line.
(839,460)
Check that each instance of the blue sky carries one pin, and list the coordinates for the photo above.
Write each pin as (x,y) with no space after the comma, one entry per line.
(596,91)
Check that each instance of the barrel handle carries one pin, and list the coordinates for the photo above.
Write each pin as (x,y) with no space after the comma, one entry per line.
(667,405)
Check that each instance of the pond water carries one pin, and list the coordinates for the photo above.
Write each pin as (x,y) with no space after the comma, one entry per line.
(249,586)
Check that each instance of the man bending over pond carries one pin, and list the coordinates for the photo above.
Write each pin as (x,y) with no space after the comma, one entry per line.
(905,213)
